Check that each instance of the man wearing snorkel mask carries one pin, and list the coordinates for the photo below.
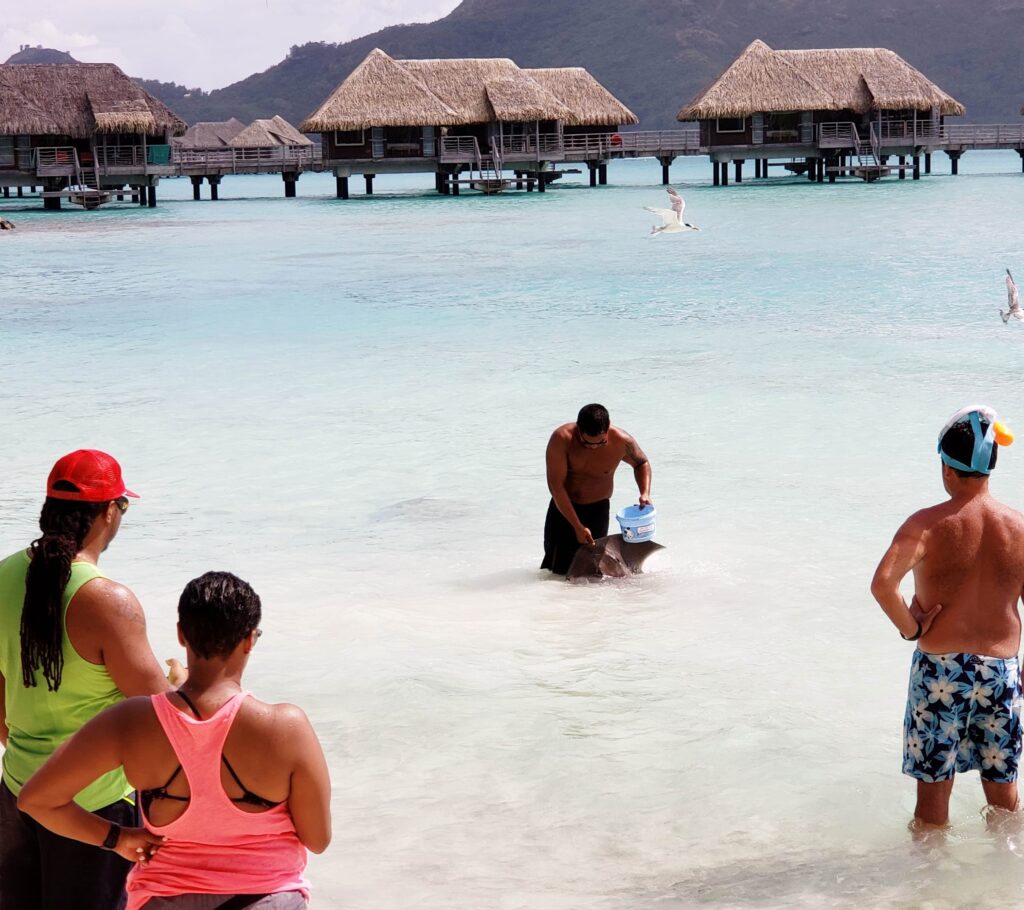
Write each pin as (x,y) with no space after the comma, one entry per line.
(967,556)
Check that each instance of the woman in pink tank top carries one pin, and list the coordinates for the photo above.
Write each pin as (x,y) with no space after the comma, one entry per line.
(233,791)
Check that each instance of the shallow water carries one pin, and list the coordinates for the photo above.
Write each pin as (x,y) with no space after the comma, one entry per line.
(347,404)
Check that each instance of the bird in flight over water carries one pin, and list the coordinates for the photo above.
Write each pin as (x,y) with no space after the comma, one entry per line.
(1012,300)
(672,219)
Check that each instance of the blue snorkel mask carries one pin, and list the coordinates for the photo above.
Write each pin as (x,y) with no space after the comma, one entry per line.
(981,457)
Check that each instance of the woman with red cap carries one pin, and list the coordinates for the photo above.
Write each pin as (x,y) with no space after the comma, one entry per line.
(72,642)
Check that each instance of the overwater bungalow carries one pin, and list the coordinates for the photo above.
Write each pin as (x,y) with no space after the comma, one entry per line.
(450,116)
(81,131)
(208,134)
(820,112)
(209,150)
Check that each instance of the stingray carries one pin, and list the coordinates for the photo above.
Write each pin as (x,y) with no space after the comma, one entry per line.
(611,557)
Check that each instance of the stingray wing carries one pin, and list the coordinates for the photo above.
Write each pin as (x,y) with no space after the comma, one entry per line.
(611,557)
(677,203)
(1012,296)
(667,216)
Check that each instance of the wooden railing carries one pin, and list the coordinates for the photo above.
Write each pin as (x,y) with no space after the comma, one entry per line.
(120,156)
(57,161)
(270,157)
(984,134)
(460,149)
(837,135)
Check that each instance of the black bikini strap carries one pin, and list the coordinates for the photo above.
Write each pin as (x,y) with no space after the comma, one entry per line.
(247,796)
(188,702)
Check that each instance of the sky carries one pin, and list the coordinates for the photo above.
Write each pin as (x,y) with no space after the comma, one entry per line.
(200,43)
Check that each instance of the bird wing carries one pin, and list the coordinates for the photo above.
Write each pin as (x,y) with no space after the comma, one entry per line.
(677,203)
(1012,296)
(668,216)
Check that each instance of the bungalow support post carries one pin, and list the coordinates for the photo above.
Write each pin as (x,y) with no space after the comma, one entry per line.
(290,178)
(341,187)
(369,183)
(214,181)
(954,161)
(197,182)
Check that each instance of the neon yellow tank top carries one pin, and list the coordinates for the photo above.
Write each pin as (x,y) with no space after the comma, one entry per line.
(40,720)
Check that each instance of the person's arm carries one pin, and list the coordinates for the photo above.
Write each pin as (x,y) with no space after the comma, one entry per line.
(637,460)
(110,618)
(3,711)
(557,459)
(48,795)
(906,551)
(309,800)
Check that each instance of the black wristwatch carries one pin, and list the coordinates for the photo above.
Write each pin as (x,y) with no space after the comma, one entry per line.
(113,836)
(916,635)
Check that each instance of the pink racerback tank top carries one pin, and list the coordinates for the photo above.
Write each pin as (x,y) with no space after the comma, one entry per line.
(214,847)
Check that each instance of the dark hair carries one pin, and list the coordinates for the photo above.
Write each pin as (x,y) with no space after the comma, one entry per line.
(65,524)
(958,443)
(216,611)
(593,419)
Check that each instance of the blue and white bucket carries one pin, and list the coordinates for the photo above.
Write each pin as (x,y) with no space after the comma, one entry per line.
(637,523)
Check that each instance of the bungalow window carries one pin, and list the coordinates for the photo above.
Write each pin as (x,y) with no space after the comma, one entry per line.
(731,124)
(6,151)
(349,137)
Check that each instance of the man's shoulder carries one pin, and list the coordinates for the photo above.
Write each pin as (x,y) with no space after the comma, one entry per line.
(562,434)
(104,600)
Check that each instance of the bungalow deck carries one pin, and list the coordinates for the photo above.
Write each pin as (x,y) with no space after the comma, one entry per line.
(829,151)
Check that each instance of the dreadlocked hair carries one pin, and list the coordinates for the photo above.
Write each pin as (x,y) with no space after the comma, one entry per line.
(64,524)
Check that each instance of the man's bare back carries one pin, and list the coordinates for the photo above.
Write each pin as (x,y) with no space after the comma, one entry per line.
(967,556)
(974,566)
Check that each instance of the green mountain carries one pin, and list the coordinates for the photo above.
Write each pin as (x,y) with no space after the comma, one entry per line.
(40,55)
(654,54)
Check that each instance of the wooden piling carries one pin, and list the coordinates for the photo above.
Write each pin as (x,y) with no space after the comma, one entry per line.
(593,172)
(290,179)
(903,170)
(341,187)
(927,162)
(197,182)
(917,166)
(954,162)
(151,193)
(369,184)
(602,175)
(214,181)
(738,163)
(725,173)
(716,174)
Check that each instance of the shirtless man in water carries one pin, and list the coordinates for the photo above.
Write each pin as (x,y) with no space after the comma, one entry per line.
(967,556)
(581,462)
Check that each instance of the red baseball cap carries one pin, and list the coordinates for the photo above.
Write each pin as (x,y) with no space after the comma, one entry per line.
(95,475)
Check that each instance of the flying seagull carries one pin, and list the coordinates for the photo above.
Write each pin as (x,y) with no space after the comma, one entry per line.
(1012,300)
(672,219)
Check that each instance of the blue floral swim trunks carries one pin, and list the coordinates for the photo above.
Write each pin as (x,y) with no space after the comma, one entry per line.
(963,713)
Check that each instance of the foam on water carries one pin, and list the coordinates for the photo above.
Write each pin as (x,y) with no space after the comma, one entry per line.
(347,403)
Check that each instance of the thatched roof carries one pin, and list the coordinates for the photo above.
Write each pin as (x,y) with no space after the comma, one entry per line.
(589,102)
(834,79)
(77,100)
(264,133)
(523,100)
(209,134)
(379,92)
(382,91)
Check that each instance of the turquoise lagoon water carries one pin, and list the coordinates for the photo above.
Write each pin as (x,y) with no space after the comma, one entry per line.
(347,403)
